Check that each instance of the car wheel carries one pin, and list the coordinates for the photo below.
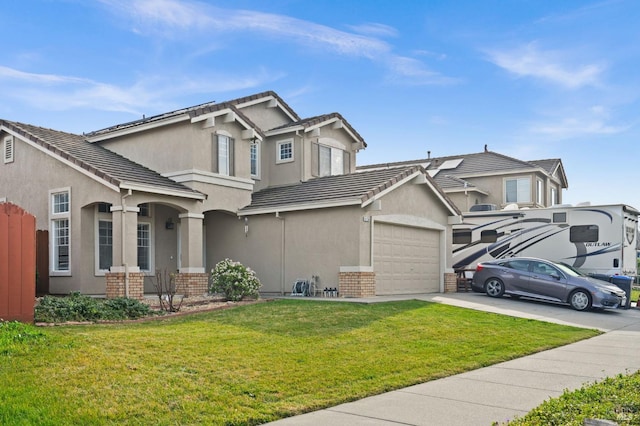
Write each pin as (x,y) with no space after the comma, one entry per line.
(494,287)
(580,300)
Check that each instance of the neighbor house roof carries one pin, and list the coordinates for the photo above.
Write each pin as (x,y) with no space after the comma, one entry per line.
(360,188)
(486,163)
(107,166)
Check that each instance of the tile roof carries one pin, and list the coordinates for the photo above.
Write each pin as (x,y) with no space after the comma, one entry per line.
(197,110)
(486,162)
(107,165)
(349,188)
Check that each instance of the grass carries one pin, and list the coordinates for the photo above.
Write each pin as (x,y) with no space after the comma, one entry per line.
(635,294)
(255,363)
(616,399)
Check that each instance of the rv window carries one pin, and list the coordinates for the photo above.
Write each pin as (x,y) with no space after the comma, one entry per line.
(583,234)
(560,217)
(489,236)
(461,236)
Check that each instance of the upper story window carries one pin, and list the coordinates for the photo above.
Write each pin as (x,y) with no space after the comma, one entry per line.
(145,210)
(331,161)
(518,190)
(285,151)
(254,158)
(60,202)
(7,149)
(223,154)
(554,196)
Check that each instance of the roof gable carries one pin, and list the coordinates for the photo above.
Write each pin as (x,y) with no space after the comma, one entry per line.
(101,164)
(360,188)
(309,124)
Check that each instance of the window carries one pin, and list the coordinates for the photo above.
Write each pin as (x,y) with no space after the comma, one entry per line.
(489,236)
(518,190)
(61,202)
(144,210)
(539,192)
(105,245)
(331,161)
(144,246)
(461,236)
(60,244)
(223,154)
(520,265)
(285,151)
(8,149)
(254,155)
(583,234)
(554,196)
(60,219)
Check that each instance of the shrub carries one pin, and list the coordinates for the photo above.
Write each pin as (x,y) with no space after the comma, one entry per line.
(234,280)
(78,307)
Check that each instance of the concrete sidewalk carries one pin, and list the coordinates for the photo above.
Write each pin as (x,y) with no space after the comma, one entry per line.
(502,391)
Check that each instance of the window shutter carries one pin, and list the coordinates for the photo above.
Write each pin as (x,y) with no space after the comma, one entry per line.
(346,162)
(214,153)
(8,149)
(231,156)
(315,159)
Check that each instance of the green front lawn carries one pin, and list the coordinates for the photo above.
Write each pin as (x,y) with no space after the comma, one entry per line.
(254,363)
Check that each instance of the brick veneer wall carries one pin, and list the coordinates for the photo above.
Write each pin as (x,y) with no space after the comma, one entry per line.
(116,285)
(450,282)
(357,284)
(192,284)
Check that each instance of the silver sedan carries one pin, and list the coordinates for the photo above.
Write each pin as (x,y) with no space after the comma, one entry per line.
(546,280)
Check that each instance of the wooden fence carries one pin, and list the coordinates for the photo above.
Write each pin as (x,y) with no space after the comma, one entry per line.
(17,263)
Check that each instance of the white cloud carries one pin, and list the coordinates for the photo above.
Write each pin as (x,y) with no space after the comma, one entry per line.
(172,18)
(595,121)
(552,66)
(58,93)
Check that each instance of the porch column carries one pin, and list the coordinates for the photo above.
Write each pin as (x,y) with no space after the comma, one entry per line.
(192,280)
(124,278)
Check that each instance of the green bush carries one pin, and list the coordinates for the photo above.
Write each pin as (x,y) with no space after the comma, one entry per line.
(234,280)
(78,307)
(15,337)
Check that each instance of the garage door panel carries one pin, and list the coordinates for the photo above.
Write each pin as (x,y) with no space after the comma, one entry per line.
(406,259)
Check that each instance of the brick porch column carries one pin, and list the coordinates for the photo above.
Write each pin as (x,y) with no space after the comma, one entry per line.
(356,282)
(450,282)
(192,283)
(117,285)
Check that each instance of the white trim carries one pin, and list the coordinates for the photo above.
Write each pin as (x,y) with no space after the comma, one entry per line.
(391,188)
(191,270)
(258,147)
(297,207)
(152,243)
(279,159)
(267,99)
(410,221)
(283,131)
(53,217)
(124,269)
(356,269)
(131,209)
(162,191)
(191,216)
(200,176)
(135,128)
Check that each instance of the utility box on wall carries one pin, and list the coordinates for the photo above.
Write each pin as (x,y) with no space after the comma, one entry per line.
(17,263)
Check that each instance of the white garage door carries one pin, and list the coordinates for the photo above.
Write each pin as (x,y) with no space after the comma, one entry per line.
(406,260)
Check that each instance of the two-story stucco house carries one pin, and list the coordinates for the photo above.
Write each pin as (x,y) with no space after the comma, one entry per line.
(246,179)
(489,180)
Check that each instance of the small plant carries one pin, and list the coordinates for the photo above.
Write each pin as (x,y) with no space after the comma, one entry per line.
(15,337)
(79,307)
(234,280)
(166,289)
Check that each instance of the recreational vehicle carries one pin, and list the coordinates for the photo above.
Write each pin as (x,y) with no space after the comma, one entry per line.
(595,239)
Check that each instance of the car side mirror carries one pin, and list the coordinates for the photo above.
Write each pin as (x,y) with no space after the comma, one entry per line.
(556,277)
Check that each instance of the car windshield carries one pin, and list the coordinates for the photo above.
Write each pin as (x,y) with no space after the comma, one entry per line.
(570,270)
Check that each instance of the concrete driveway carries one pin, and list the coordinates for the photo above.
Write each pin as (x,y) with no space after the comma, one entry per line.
(502,391)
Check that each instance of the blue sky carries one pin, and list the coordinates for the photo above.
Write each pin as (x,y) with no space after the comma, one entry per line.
(531,79)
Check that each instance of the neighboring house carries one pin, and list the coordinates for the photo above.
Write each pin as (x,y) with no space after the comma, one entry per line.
(491,180)
(246,179)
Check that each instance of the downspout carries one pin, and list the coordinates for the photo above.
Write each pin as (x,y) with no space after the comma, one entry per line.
(124,245)
(302,156)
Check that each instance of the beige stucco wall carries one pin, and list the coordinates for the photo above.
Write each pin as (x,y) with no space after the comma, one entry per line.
(315,242)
